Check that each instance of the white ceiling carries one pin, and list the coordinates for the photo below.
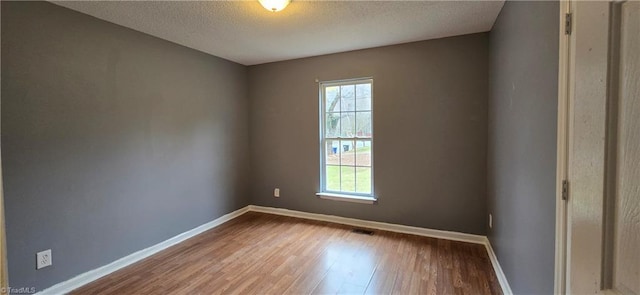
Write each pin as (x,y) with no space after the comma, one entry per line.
(244,32)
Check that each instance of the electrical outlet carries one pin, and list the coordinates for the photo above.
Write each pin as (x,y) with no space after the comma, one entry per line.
(490,221)
(43,259)
(276,192)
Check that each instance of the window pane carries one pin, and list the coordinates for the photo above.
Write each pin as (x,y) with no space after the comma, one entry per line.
(363,180)
(347,94)
(333,177)
(332,99)
(347,152)
(363,153)
(332,122)
(347,136)
(363,124)
(363,97)
(348,180)
(332,152)
(347,124)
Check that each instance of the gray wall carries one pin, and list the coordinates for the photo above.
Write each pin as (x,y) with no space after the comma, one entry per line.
(112,140)
(522,142)
(430,124)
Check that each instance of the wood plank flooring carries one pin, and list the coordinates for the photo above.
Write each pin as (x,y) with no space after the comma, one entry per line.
(260,253)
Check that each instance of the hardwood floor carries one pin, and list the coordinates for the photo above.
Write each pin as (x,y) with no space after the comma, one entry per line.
(260,253)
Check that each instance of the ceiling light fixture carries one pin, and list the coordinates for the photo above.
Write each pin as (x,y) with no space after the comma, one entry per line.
(274,5)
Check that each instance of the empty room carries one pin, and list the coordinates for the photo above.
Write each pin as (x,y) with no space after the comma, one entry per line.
(320,147)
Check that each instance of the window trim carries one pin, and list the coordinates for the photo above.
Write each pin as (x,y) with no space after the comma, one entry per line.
(369,198)
(348,198)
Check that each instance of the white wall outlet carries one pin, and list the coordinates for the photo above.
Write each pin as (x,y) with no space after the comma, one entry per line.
(490,220)
(43,259)
(276,192)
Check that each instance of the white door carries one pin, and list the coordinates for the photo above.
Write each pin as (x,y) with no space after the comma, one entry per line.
(603,210)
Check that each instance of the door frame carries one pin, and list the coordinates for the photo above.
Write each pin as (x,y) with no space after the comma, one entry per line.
(4,275)
(571,151)
(565,63)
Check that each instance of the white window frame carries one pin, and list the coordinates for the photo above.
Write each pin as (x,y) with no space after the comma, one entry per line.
(368,198)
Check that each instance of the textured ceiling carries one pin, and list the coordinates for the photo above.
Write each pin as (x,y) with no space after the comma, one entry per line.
(244,32)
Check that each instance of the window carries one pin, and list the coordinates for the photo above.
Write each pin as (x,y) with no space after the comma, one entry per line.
(346,138)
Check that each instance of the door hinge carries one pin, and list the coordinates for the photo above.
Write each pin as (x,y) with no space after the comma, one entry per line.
(565,190)
(568,21)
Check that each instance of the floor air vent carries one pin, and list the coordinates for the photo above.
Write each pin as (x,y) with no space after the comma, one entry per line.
(363,231)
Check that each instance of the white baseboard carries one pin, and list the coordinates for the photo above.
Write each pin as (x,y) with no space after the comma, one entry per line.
(502,279)
(419,231)
(92,275)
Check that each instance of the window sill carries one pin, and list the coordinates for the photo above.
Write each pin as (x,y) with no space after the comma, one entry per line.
(347,198)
